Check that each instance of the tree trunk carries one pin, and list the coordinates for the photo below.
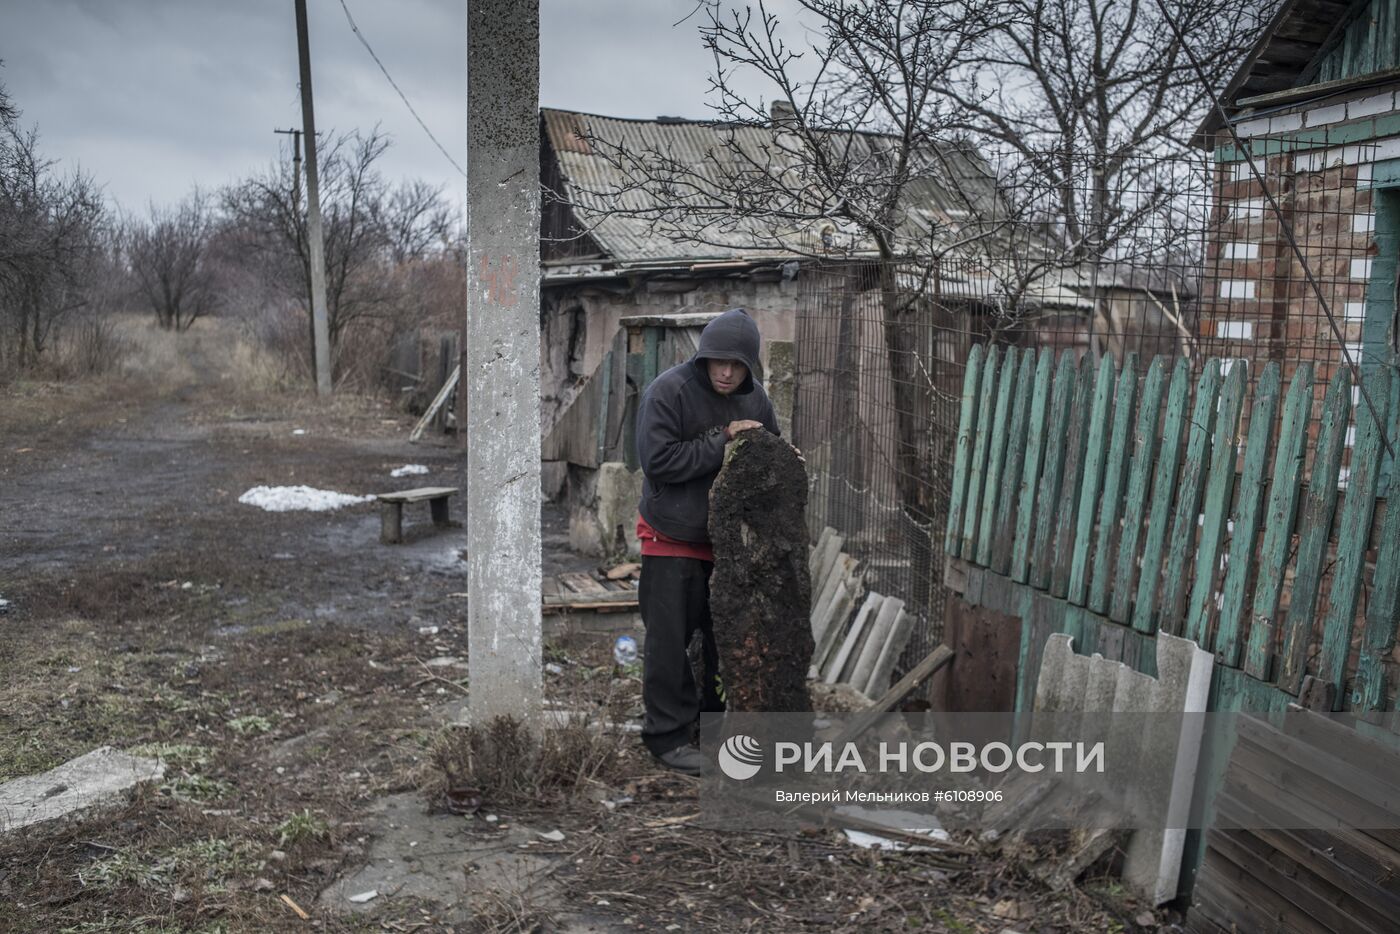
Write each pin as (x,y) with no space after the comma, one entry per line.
(761,588)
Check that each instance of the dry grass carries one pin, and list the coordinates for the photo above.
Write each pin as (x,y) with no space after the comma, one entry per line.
(505,763)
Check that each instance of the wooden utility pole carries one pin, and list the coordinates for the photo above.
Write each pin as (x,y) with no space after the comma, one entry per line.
(320,326)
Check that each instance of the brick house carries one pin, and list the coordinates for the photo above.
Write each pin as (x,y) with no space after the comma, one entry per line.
(1314,107)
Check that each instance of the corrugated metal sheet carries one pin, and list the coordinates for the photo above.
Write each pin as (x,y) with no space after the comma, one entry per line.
(952,186)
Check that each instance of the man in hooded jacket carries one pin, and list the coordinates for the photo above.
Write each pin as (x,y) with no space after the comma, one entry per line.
(687,416)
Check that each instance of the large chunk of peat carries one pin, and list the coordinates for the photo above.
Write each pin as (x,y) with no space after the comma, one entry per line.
(761,588)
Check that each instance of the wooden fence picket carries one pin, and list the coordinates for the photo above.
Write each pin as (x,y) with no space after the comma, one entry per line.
(1031,465)
(996,454)
(1007,500)
(1278,529)
(962,450)
(1189,491)
(1314,530)
(1042,554)
(1216,510)
(1357,512)
(1247,519)
(1139,479)
(977,466)
(1114,473)
(1067,509)
(1163,489)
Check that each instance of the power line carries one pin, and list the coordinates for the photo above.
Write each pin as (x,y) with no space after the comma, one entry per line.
(394,84)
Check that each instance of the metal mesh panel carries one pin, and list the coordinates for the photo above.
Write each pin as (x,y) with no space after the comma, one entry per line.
(1192,260)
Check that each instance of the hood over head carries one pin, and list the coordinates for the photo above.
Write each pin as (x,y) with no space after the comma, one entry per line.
(732,336)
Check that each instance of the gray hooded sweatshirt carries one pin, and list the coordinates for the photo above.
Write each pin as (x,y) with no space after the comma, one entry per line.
(681,422)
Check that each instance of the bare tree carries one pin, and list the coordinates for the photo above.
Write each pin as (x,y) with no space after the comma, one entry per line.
(855,133)
(171,261)
(369,227)
(50,226)
(1092,103)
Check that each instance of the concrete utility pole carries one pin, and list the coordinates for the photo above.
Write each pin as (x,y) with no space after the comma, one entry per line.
(320,327)
(502,377)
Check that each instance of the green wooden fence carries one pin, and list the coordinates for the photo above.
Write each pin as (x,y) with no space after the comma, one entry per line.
(1111,505)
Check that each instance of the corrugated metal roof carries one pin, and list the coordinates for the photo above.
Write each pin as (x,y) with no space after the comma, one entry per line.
(952,186)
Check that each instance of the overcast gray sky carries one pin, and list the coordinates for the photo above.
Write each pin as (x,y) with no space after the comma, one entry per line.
(153,96)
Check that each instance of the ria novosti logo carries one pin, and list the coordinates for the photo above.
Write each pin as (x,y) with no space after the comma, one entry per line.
(740,757)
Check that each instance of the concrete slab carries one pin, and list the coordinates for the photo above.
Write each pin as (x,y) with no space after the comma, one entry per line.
(1164,747)
(100,777)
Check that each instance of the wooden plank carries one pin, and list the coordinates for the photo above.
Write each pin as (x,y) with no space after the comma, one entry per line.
(1278,529)
(1066,512)
(996,455)
(436,404)
(1114,473)
(1247,517)
(1030,466)
(977,466)
(1309,896)
(931,662)
(1287,754)
(1383,607)
(1048,497)
(962,451)
(606,384)
(1354,852)
(1012,471)
(1353,537)
(1314,529)
(579,599)
(1317,852)
(416,496)
(1309,799)
(1253,902)
(1189,491)
(1135,498)
(578,582)
(1216,510)
(1163,489)
(1095,452)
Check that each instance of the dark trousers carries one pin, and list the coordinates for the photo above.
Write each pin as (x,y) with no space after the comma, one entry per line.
(674,597)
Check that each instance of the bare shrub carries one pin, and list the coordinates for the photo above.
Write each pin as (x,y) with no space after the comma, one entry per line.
(92,346)
(504,762)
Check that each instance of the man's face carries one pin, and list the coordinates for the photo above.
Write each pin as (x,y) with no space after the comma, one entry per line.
(726,375)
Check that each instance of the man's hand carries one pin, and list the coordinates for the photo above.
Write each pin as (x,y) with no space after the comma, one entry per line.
(743,424)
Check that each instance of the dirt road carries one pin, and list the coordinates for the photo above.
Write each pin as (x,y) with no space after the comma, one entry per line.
(295,676)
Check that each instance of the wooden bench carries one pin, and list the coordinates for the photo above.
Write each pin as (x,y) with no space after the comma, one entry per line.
(391,509)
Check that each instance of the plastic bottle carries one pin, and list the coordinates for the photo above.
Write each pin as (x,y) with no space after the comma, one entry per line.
(625,650)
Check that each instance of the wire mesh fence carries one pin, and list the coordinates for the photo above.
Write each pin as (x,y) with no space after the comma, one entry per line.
(1277,252)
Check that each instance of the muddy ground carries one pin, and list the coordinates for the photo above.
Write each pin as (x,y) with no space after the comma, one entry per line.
(295,676)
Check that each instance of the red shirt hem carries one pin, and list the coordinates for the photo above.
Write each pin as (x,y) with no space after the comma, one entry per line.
(658,545)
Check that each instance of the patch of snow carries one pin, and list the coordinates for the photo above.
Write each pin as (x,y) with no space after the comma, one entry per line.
(408,470)
(289,498)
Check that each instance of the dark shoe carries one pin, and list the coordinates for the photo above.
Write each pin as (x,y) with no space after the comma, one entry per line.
(687,759)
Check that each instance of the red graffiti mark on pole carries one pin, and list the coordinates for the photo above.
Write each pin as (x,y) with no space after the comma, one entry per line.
(498,279)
